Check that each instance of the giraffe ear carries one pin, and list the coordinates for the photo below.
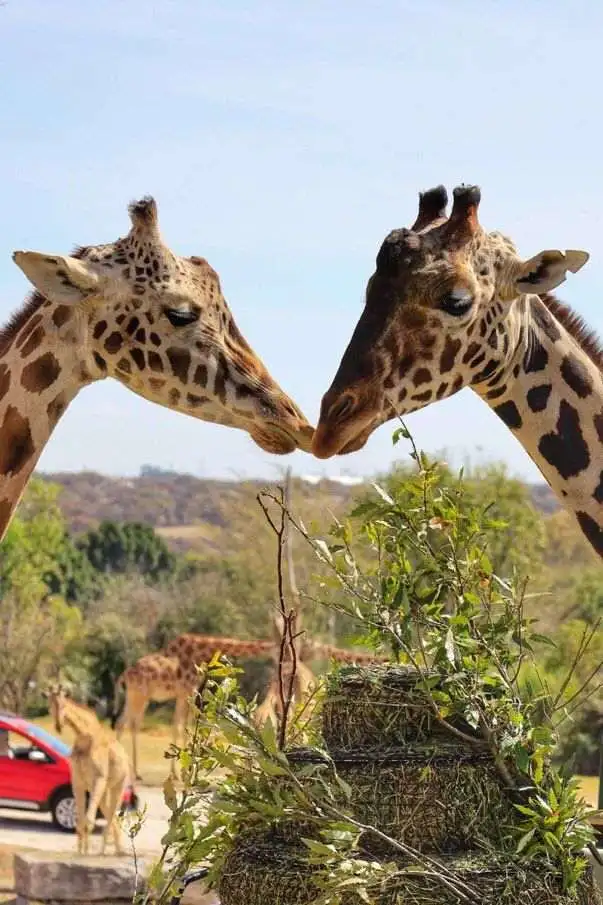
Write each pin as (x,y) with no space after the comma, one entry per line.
(547,270)
(60,279)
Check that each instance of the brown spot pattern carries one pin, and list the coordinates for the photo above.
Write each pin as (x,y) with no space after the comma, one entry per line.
(576,376)
(17,446)
(422,375)
(4,380)
(592,531)
(180,361)
(55,409)
(33,342)
(200,378)
(114,342)
(221,378)
(28,330)
(5,514)
(61,315)
(473,349)
(449,353)
(41,373)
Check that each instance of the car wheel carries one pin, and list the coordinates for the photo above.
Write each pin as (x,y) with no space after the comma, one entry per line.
(63,811)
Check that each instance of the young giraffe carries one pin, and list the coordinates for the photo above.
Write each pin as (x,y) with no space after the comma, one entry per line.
(134,311)
(286,669)
(304,680)
(450,305)
(99,768)
(172,674)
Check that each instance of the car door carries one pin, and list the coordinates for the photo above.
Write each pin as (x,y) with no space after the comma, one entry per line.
(26,772)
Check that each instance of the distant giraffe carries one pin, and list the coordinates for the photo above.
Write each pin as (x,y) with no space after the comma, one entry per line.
(290,676)
(134,311)
(304,680)
(450,305)
(99,768)
(172,674)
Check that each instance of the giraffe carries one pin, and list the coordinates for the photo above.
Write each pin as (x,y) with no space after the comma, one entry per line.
(304,681)
(450,305)
(134,311)
(288,675)
(99,768)
(172,674)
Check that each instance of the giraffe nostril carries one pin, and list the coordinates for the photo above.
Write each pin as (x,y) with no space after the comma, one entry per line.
(342,407)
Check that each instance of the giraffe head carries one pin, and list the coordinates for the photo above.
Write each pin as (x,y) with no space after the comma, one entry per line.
(57,699)
(158,323)
(436,318)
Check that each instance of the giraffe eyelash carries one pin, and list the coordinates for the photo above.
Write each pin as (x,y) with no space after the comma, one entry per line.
(181,318)
(457,302)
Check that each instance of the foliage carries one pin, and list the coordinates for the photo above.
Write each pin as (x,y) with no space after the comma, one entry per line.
(224,584)
(33,638)
(128,547)
(417,577)
(33,543)
(488,489)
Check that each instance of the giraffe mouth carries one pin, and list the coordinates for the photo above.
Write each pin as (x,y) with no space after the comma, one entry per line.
(333,440)
(275,439)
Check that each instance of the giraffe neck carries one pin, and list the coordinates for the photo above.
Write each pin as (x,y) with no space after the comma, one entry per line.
(42,367)
(80,721)
(551,397)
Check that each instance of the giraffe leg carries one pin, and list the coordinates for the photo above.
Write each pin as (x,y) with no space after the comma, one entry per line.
(138,707)
(178,727)
(109,806)
(79,793)
(96,794)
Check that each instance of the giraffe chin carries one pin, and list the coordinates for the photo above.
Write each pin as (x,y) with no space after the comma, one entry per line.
(273,439)
(328,442)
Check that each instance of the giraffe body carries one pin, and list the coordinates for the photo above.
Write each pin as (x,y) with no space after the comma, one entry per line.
(134,311)
(451,306)
(99,768)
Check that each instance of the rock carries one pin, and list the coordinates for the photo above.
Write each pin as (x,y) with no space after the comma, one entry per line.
(597,868)
(59,877)
(197,894)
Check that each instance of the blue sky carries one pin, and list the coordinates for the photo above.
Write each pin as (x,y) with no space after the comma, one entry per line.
(283,141)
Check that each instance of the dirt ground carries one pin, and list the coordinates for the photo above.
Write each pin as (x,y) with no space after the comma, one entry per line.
(22,831)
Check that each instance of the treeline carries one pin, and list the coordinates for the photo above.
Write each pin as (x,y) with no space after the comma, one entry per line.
(90,604)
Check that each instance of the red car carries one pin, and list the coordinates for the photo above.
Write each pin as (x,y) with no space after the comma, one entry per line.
(35,772)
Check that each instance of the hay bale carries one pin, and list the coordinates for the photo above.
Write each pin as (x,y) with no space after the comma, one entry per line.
(434,800)
(382,707)
(260,871)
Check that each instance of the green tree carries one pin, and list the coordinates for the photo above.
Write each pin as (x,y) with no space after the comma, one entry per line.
(128,547)
(518,544)
(33,542)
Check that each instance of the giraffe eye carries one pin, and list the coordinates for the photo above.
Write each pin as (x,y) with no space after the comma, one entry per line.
(179,317)
(457,302)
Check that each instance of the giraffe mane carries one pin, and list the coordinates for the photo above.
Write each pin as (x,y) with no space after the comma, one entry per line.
(576,326)
(33,302)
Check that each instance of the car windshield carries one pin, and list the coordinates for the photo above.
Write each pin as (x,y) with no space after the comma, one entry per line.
(52,741)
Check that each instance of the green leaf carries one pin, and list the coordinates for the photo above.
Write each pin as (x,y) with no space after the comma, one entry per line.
(527,837)
(449,646)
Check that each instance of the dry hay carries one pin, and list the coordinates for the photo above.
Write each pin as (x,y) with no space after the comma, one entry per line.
(261,871)
(382,707)
(432,800)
